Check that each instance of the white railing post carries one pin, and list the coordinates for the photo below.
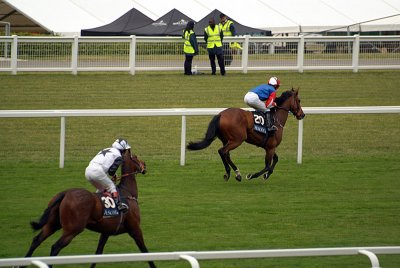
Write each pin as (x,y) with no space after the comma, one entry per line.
(14,54)
(183,140)
(372,257)
(193,262)
(40,264)
(132,55)
(271,49)
(300,54)
(245,54)
(300,143)
(62,142)
(74,55)
(356,53)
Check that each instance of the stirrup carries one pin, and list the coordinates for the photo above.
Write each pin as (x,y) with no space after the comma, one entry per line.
(122,207)
(272,128)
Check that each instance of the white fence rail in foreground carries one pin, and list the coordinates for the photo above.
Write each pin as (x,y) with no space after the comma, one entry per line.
(182,112)
(193,256)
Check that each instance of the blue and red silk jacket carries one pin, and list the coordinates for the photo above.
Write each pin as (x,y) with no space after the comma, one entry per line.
(266,93)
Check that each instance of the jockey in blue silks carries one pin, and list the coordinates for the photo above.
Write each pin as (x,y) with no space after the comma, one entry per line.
(262,98)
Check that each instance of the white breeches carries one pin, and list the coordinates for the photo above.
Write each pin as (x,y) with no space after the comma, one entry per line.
(96,175)
(253,101)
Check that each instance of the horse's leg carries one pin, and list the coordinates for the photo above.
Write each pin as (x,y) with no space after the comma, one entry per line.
(224,153)
(48,229)
(100,246)
(257,174)
(238,176)
(136,233)
(73,222)
(268,159)
(64,241)
(271,169)
(37,240)
(226,165)
(61,243)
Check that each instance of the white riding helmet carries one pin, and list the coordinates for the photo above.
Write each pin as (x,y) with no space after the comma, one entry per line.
(274,81)
(121,144)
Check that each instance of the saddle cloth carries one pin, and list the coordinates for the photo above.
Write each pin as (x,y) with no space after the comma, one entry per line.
(109,207)
(259,122)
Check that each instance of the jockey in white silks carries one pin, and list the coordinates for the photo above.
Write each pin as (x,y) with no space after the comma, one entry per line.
(105,164)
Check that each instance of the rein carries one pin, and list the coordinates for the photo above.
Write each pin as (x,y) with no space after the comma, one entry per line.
(118,178)
(283,108)
(287,110)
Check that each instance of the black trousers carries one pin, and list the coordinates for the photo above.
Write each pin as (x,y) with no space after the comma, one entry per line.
(228,54)
(219,53)
(188,64)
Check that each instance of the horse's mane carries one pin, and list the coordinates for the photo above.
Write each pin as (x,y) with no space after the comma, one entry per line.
(282,98)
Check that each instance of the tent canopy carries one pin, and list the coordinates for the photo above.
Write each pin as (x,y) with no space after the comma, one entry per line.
(18,20)
(240,28)
(67,17)
(172,22)
(122,26)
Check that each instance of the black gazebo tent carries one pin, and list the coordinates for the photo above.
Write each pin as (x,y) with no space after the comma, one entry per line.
(240,29)
(122,26)
(172,24)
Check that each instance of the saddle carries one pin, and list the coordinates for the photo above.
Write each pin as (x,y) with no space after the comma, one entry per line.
(109,207)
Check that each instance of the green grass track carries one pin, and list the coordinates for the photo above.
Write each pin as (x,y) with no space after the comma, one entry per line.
(345,194)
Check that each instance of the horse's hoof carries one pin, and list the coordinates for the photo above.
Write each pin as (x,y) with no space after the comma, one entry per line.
(266,176)
(238,177)
(226,177)
(249,176)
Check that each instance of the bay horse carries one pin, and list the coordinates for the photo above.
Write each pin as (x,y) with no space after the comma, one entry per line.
(233,126)
(75,209)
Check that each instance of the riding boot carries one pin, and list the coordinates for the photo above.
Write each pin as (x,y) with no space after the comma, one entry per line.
(270,124)
(120,205)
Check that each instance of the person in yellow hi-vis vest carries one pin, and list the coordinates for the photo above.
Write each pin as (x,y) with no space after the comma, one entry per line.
(228,29)
(213,36)
(190,47)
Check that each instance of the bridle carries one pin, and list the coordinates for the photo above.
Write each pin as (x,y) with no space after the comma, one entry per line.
(117,178)
(294,112)
(288,109)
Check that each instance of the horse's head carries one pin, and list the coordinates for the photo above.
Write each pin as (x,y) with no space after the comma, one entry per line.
(132,163)
(289,100)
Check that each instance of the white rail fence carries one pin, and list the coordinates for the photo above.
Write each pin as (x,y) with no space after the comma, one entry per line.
(193,256)
(182,112)
(134,53)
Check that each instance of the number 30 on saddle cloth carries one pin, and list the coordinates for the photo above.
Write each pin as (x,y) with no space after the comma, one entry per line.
(109,206)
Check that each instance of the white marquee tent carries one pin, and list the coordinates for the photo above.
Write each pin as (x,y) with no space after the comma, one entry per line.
(67,17)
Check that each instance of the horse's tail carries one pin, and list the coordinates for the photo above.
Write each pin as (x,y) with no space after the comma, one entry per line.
(210,136)
(46,214)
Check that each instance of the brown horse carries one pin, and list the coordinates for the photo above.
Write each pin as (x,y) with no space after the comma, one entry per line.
(74,210)
(233,126)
